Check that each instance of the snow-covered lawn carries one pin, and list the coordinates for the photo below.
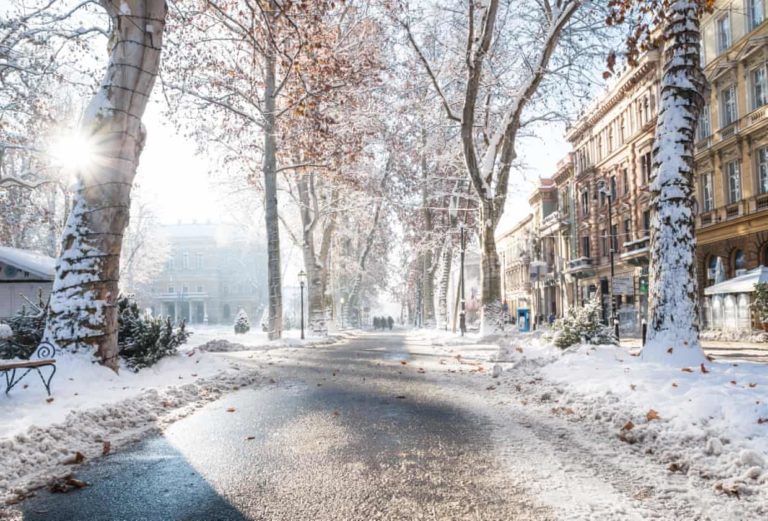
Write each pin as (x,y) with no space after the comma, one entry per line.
(709,424)
(92,407)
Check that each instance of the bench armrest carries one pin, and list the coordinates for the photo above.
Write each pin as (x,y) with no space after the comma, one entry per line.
(45,350)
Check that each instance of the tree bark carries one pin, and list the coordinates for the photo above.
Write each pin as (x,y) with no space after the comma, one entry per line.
(428,279)
(82,308)
(673,332)
(274,282)
(442,291)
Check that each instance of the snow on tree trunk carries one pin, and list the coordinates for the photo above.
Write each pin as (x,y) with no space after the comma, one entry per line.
(673,332)
(490,276)
(274,283)
(442,293)
(84,294)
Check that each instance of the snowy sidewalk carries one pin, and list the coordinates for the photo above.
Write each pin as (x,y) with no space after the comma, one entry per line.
(93,411)
(708,426)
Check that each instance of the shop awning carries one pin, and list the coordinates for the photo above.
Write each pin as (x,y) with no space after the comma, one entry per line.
(742,284)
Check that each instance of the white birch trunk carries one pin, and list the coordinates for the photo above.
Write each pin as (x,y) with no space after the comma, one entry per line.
(442,292)
(274,277)
(673,332)
(82,305)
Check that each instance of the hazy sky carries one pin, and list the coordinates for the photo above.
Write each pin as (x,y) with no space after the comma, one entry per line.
(178,180)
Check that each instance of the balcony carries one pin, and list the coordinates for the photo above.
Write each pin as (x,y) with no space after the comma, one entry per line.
(581,268)
(729,131)
(637,252)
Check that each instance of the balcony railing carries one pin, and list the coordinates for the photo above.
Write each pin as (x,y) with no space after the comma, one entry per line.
(729,131)
(636,252)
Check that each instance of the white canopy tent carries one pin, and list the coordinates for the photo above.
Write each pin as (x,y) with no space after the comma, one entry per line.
(742,284)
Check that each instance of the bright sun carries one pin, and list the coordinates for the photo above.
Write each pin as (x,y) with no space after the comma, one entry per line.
(73,152)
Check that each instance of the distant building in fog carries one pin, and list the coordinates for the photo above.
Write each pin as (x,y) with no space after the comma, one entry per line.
(210,274)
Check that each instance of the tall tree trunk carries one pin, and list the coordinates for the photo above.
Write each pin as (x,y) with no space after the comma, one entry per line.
(82,306)
(442,292)
(490,273)
(673,333)
(314,266)
(428,280)
(274,283)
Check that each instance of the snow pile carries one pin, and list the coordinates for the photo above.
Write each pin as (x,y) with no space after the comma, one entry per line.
(709,422)
(224,339)
(94,411)
(5,332)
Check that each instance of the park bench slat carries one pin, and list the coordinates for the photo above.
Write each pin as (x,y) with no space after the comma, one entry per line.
(22,364)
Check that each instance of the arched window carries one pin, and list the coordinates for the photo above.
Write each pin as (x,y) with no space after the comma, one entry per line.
(711,269)
(764,254)
(739,262)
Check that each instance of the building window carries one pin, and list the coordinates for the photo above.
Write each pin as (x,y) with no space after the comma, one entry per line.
(199,259)
(755,13)
(739,262)
(185,260)
(625,180)
(170,289)
(728,110)
(585,203)
(707,199)
(723,33)
(185,289)
(765,255)
(647,222)
(615,238)
(199,289)
(703,130)
(604,242)
(585,246)
(610,139)
(762,169)
(733,172)
(613,188)
(759,88)
(627,230)
(645,167)
(711,270)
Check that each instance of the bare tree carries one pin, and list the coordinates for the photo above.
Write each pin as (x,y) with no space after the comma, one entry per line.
(673,335)
(82,307)
(491,112)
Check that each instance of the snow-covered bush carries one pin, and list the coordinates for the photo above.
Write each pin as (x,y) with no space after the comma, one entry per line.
(144,340)
(582,325)
(242,325)
(6,333)
(26,333)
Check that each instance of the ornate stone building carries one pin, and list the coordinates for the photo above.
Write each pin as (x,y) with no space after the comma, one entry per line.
(732,147)
(210,274)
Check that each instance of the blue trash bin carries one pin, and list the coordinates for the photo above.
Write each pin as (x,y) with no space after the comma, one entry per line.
(523,320)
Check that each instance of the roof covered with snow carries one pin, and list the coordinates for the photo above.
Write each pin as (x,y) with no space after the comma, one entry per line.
(742,284)
(28,260)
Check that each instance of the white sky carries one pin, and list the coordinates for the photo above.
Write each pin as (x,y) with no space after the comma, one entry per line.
(178,180)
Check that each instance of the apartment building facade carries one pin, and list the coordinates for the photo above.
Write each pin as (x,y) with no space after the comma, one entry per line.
(732,154)
(608,186)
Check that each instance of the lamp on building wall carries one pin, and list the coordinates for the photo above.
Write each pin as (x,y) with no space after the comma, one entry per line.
(302,278)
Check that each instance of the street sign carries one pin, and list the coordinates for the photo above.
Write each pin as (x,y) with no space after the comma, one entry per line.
(623,286)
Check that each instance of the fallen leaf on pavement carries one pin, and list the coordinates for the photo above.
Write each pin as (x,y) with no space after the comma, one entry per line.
(703,369)
(628,426)
(250,438)
(753,385)
(231,409)
(106,448)
(490,388)
(74,459)
(49,400)
(519,349)
(651,415)
(336,413)
(686,370)
(67,484)
(400,397)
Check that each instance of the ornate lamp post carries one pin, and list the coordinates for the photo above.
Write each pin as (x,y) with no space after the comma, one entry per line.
(302,277)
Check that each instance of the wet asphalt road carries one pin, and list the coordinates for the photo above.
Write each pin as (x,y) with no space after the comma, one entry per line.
(344,432)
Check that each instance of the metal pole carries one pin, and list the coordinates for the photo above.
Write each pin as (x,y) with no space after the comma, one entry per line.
(614,318)
(301,285)
(462,314)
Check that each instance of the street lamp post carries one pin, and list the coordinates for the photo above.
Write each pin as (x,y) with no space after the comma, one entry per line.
(342,312)
(614,318)
(302,276)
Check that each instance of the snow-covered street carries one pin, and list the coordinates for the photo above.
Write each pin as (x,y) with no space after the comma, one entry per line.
(414,425)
